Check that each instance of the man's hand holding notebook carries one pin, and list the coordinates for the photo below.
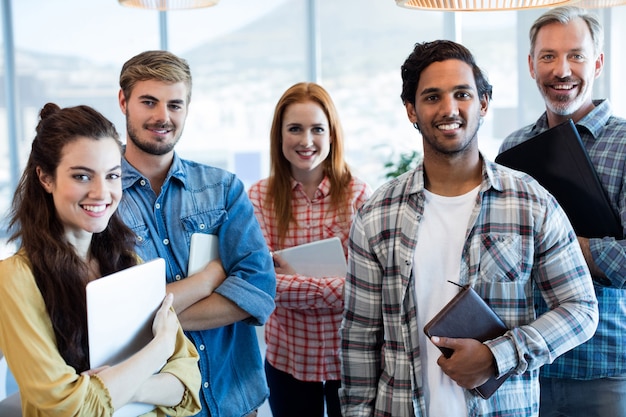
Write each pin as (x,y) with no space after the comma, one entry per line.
(468,316)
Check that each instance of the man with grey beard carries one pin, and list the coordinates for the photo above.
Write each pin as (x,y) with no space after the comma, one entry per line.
(565,58)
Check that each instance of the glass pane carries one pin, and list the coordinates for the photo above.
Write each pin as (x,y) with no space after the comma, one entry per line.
(361,59)
(503,58)
(70,55)
(5,165)
(615,59)
(242,57)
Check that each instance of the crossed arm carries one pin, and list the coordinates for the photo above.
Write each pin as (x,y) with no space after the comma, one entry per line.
(198,306)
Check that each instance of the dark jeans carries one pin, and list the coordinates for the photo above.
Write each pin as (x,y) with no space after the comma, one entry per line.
(576,398)
(291,397)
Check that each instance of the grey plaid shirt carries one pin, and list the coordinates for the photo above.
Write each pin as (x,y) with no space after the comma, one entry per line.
(518,238)
(604,136)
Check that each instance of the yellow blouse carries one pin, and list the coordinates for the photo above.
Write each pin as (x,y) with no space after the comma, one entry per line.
(50,387)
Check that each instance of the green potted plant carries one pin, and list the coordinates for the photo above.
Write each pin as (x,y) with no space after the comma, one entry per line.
(406,162)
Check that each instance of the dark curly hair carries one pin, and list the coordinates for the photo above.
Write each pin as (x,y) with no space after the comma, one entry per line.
(425,54)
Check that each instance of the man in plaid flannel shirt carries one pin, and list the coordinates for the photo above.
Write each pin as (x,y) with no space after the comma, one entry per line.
(565,58)
(456,217)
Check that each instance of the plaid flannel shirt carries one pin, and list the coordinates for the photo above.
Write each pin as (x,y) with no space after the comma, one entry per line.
(604,355)
(302,334)
(518,238)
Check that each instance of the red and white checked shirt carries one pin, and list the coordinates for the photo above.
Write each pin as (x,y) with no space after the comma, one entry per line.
(302,335)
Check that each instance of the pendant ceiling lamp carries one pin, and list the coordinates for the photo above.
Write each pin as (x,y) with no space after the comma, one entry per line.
(479,5)
(596,4)
(168,4)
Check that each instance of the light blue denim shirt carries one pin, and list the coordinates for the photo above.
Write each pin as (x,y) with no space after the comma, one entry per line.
(200,198)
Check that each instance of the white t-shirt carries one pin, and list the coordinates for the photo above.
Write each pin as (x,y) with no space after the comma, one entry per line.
(437,260)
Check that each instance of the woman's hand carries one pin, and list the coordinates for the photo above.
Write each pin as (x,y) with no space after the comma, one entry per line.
(165,325)
(281,266)
(134,379)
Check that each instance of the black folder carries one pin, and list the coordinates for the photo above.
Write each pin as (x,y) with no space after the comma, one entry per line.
(558,160)
(468,316)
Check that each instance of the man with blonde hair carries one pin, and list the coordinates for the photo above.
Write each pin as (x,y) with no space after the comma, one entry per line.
(166,200)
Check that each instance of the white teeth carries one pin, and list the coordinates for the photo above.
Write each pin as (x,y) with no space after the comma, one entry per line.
(306,153)
(95,209)
(563,87)
(449,126)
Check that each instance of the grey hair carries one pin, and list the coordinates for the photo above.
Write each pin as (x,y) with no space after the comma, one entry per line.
(564,15)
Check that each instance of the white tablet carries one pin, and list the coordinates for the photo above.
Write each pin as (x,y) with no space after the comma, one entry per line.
(120,311)
(202,250)
(322,258)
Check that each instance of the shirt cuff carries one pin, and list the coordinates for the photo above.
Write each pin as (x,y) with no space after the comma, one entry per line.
(504,354)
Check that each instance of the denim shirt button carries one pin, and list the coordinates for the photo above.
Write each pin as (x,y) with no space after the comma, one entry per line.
(177,277)
(202,226)
(206,385)
(143,183)
(201,347)
(157,206)
(166,241)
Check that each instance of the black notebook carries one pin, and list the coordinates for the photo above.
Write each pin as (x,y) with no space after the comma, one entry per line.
(468,316)
(557,159)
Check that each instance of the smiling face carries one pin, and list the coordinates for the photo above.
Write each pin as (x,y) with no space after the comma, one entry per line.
(155,115)
(447,108)
(305,139)
(565,65)
(86,187)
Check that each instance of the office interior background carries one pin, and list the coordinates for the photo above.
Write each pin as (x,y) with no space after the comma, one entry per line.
(245,53)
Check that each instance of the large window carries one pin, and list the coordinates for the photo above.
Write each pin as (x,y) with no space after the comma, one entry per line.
(244,54)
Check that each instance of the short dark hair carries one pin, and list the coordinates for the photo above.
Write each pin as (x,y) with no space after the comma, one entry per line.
(427,53)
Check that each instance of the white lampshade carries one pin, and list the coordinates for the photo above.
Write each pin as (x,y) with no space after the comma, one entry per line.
(479,5)
(168,4)
(596,4)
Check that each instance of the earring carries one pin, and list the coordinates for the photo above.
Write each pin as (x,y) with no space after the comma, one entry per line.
(416,126)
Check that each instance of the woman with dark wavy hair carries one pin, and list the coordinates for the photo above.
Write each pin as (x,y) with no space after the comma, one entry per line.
(64,218)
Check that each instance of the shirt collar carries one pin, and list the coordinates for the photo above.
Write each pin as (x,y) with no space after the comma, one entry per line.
(596,119)
(593,122)
(323,189)
(131,175)
(490,180)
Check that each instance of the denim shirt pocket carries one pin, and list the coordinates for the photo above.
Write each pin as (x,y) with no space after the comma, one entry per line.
(207,222)
(144,242)
(500,257)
